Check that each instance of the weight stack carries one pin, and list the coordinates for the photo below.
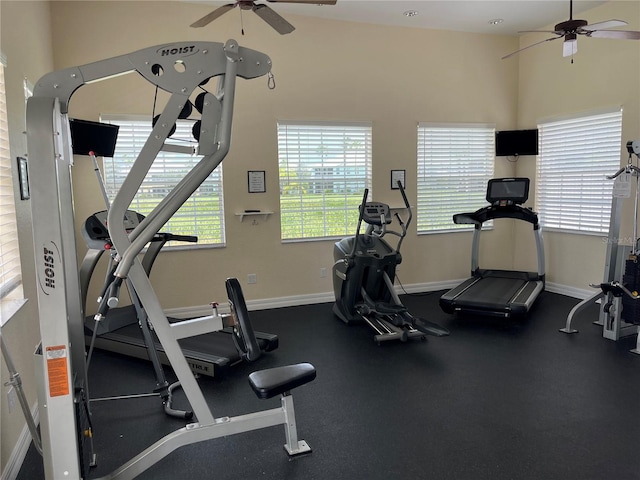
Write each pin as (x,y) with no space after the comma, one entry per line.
(631,281)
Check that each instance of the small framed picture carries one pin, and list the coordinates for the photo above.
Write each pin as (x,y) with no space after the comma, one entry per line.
(256,180)
(397,176)
(23,176)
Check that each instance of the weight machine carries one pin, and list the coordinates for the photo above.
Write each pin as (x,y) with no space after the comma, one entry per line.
(618,293)
(65,417)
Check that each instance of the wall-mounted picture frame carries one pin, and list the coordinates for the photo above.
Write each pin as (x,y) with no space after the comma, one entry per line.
(23,177)
(256,181)
(397,176)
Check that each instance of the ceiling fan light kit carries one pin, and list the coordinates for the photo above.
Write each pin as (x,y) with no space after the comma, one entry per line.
(570,29)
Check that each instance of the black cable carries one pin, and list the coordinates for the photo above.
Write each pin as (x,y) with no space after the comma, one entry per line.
(422,294)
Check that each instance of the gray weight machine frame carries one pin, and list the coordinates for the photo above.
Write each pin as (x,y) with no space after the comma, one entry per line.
(610,316)
(178,68)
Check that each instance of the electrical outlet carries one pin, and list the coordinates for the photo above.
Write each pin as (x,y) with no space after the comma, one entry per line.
(323,272)
(252,278)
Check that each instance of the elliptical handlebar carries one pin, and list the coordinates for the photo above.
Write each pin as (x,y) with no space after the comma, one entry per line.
(403,225)
(383,221)
(360,216)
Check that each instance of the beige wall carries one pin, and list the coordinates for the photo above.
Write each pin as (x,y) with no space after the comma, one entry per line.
(325,70)
(26,42)
(605,73)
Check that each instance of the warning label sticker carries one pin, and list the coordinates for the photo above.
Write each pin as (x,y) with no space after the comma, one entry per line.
(57,370)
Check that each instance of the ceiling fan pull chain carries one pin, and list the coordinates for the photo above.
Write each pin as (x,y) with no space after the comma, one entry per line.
(271,81)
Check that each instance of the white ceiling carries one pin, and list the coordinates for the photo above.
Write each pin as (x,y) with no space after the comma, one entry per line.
(457,15)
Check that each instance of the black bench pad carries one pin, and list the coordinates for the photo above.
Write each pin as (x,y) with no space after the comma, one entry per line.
(274,381)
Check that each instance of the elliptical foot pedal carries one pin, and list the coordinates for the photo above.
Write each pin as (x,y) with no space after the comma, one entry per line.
(280,380)
(429,328)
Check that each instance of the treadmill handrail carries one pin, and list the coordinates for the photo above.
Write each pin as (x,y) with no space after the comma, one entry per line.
(492,212)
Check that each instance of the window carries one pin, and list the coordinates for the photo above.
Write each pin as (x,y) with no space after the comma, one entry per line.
(324,170)
(575,155)
(455,162)
(10,273)
(202,215)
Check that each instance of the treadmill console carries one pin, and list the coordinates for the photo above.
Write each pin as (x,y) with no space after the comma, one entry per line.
(373,213)
(96,233)
(507,191)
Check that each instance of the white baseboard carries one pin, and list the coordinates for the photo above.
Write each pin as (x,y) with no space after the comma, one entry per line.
(574,292)
(12,469)
(326,297)
(296,300)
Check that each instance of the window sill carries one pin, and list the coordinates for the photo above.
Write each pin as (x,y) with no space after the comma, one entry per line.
(8,308)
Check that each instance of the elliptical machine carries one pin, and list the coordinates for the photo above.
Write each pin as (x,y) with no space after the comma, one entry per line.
(364,272)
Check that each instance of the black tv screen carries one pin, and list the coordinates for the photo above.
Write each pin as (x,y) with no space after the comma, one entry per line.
(99,138)
(516,142)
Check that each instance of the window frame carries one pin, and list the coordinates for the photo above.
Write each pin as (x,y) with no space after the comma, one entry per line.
(477,187)
(10,261)
(215,184)
(292,151)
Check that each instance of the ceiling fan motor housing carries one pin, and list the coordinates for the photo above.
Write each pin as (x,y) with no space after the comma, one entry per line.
(570,26)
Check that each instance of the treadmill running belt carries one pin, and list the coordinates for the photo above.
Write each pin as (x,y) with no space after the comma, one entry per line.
(490,292)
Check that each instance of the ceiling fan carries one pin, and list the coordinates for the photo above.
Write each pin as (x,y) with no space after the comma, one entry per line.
(570,29)
(265,12)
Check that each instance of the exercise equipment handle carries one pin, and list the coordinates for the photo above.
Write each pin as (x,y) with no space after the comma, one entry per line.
(172,237)
(114,292)
(361,215)
(404,226)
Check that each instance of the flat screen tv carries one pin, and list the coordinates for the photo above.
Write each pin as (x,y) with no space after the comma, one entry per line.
(99,138)
(516,142)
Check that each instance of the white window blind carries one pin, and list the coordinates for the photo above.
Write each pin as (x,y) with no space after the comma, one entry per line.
(323,170)
(202,215)
(455,162)
(575,156)
(10,273)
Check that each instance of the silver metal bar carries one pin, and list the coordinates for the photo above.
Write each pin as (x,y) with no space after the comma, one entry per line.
(194,433)
(54,358)
(475,249)
(293,445)
(196,326)
(124,397)
(16,382)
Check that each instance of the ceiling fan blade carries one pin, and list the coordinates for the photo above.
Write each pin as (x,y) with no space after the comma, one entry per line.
(207,19)
(529,46)
(557,32)
(620,34)
(605,25)
(270,16)
(316,2)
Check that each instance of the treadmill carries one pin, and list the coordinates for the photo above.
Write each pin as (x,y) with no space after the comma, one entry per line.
(122,329)
(498,293)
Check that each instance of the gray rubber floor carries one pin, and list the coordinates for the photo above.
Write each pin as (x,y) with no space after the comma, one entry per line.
(495,400)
